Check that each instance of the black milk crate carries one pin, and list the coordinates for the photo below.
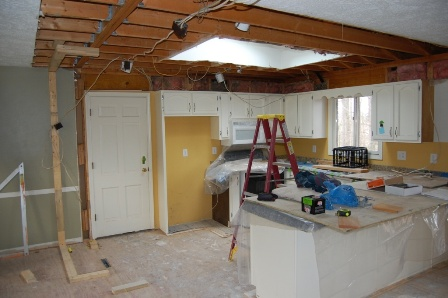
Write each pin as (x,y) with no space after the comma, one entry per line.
(350,157)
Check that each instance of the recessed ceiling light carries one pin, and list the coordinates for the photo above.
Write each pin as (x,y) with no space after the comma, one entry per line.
(223,50)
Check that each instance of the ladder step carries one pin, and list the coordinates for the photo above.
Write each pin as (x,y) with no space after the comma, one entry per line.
(259,146)
(278,141)
(282,163)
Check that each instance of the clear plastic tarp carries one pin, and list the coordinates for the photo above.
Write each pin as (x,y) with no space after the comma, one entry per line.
(231,160)
(359,262)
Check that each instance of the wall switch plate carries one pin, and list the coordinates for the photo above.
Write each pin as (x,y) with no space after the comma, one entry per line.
(214,151)
(433,158)
(314,149)
(401,155)
(184,152)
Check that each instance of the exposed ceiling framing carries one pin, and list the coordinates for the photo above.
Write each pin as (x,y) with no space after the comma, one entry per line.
(125,29)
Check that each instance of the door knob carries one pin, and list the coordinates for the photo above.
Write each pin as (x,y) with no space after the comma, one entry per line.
(144,170)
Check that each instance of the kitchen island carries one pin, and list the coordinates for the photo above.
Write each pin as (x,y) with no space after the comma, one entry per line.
(285,252)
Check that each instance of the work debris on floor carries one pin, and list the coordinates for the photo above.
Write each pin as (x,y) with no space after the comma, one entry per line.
(143,264)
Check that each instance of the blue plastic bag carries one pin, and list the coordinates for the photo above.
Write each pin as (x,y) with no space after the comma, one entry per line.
(341,195)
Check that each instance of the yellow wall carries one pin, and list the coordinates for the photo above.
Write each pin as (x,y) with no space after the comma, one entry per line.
(187,201)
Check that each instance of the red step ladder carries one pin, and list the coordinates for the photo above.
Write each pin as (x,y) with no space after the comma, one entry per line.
(278,120)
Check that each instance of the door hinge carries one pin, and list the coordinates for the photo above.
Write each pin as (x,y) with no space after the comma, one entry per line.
(90,112)
(93,167)
(95,216)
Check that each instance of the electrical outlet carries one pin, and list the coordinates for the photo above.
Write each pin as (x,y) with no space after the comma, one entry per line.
(214,151)
(314,149)
(433,158)
(401,155)
(184,152)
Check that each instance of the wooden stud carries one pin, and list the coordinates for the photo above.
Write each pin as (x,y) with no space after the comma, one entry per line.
(57,180)
(129,287)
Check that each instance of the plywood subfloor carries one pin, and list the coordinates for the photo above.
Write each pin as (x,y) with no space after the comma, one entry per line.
(189,264)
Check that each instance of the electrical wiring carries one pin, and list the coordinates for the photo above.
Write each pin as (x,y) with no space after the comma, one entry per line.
(248,102)
(142,71)
(196,80)
(91,86)
(200,13)
(163,74)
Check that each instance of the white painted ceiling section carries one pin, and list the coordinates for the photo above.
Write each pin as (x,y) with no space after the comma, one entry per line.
(18,27)
(223,50)
(423,20)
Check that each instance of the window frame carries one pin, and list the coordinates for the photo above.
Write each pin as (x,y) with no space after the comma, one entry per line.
(332,118)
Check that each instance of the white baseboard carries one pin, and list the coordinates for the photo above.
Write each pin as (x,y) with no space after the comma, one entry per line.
(12,251)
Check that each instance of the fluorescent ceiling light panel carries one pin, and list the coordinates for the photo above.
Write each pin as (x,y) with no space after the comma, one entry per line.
(223,50)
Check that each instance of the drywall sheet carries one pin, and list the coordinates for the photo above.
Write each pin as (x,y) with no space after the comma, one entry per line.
(25,137)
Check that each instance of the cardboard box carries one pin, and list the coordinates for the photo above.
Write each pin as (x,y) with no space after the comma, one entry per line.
(396,186)
(313,204)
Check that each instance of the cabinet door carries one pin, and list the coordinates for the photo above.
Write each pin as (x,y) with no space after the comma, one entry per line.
(273,104)
(204,104)
(224,114)
(383,113)
(177,103)
(305,115)
(256,105)
(407,112)
(291,114)
(239,105)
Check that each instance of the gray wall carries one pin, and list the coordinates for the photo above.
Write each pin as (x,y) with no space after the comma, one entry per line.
(25,137)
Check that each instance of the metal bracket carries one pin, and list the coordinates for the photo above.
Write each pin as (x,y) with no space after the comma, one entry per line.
(92,38)
(100,27)
(111,13)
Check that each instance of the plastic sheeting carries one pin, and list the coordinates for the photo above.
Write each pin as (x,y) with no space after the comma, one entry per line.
(217,176)
(360,262)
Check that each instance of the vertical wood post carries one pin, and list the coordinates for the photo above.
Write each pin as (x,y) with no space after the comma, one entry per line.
(56,158)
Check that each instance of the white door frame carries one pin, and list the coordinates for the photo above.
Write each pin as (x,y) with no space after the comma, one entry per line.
(89,181)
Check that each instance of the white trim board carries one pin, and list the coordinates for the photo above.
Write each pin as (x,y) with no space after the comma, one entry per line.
(10,251)
(37,192)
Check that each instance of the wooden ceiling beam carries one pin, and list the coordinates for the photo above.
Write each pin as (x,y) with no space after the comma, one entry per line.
(75,10)
(72,25)
(61,51)
(292,23)
(62,35)
(120,14)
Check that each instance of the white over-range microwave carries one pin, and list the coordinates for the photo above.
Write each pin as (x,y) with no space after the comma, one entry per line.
(242,131)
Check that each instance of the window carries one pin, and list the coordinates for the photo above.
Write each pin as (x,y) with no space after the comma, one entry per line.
(350,125)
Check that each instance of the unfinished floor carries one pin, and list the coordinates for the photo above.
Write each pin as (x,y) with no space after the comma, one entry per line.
(186,264)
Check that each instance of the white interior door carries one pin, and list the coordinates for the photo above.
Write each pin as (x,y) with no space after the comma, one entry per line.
(120,166)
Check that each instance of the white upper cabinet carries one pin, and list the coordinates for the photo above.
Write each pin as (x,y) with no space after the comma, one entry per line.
(291,114)
(187,103)
(256,105)
(176,103)
(306,115)
(273,104)
(397,112)
(205,103)
(220,124)
(239,105)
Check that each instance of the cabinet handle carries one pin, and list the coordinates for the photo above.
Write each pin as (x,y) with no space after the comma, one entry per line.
(189,107)
(396,131)
(194,107)
(390,131)
(248,113)
(298,130)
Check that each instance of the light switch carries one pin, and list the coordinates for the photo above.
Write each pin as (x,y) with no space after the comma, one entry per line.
(185,152)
